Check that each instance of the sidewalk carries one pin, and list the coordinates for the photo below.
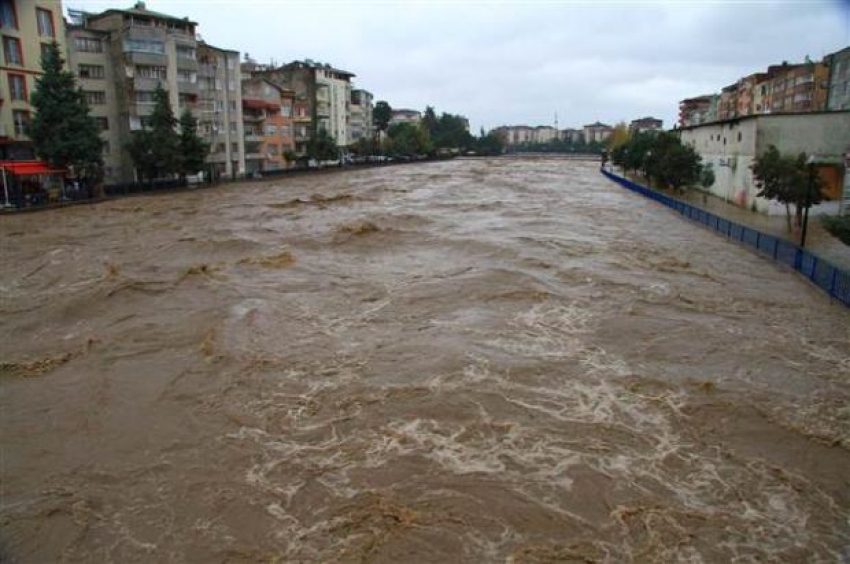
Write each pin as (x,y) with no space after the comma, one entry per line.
(818,239)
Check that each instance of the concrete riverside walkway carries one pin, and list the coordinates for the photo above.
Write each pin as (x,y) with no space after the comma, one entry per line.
(818,239)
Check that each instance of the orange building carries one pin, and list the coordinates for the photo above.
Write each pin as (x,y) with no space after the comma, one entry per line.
(267,111)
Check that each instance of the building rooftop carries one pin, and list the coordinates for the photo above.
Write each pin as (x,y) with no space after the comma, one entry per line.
(139,9)
(762,116)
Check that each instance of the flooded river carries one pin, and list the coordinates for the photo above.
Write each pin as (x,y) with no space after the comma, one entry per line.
(469,361)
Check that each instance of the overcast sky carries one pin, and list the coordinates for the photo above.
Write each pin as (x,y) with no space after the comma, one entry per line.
(520,62)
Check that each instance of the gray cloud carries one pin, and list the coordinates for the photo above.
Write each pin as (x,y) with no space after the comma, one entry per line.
(520,62)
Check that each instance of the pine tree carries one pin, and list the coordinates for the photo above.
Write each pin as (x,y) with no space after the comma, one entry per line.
(62,131)
(193,149)
(156,149)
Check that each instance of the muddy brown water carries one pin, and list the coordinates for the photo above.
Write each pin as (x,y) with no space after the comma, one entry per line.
(470,361)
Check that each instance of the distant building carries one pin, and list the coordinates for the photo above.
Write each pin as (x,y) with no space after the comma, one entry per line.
(27,28)
(838,97)
(646,124)
(361,126)
(544,134)
(798,88)
(747,92)
(697,110)
(728,108)
(405,116)
(571,136)
(729,148)
(597,132)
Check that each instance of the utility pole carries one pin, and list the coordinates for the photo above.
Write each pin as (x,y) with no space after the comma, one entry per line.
(811,162)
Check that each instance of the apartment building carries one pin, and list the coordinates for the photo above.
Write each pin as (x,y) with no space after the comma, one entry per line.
(323,91)
(728,107)
(571,135)
(797,88)
(214,95)
(405,116)
(361,116)
(646,124)
(88,59)
(545,134)
(597,132)
(122,56)
(269,134)
(838,97)
(27,26)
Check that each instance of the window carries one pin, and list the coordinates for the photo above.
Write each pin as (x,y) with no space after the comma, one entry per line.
(45,22)
(44,49)
(21,119)
(739,137)
(95,98)
(12,51)
(8,17)
(17,87)
(144,46)
(106,147)
(143,97)
(232,105)
(91,71)
(184,52)
(271,130)
(233,127)
(234,147)
(147,71)
(272,150)
(88,45)
(102,123)
(286,110)
(187,76)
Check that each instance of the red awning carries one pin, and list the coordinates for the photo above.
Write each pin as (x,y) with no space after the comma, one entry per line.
(29,168)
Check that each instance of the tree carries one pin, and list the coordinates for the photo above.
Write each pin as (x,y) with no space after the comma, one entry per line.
(430,122)
(193,149)
(619,137)
(323,147)
(381,115)
(409,139)
(155,149)
(62,131)
(680,165)
(788,180)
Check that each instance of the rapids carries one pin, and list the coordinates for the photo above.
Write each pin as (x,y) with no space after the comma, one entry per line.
(494,360)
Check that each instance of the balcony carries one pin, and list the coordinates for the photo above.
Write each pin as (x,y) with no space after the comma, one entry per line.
(254,138)
(152,58)
(147,84)
(187,88)
(254,156)
(184,63)
(323,109)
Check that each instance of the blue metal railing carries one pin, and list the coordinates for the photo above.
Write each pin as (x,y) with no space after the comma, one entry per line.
(824,275)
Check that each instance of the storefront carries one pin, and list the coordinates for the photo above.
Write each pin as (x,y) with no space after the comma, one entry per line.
(33,183)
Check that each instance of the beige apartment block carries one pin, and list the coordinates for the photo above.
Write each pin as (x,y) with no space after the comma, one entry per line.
(27,27)
(88,59)
(218,106)
(122,56)
(361,116)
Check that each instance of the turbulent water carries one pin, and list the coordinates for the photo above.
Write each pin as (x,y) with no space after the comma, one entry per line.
(469,361)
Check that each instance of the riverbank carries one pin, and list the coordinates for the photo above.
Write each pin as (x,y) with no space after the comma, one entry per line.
(114,192)
(818,239)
